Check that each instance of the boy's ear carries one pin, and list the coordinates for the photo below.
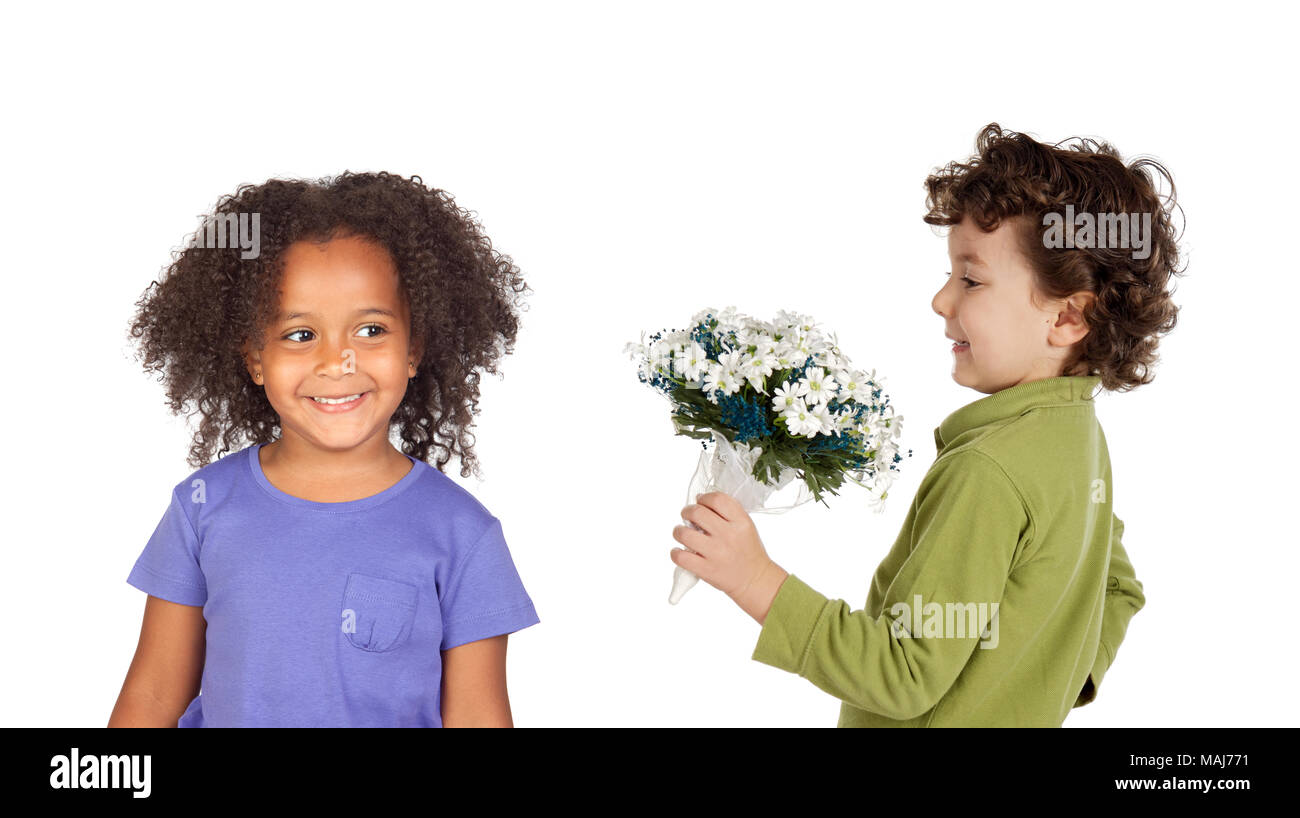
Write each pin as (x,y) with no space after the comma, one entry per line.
(1070,328)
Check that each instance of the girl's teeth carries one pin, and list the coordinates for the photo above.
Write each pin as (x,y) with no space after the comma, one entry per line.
(338,400)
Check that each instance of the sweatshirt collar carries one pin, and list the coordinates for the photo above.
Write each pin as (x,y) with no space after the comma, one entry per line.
(1015,401)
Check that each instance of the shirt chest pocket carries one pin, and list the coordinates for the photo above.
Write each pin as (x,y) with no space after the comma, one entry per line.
(377,614)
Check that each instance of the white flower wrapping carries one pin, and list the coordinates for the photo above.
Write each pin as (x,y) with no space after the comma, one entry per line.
(730,470)
(778,396)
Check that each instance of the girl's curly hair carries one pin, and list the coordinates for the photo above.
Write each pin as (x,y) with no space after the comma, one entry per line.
(1012,176)
(462,294)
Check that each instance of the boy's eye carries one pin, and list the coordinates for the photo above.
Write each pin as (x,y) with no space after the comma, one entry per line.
(969,282)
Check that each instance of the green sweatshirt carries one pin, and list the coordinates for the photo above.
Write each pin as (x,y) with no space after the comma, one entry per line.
(1016,510)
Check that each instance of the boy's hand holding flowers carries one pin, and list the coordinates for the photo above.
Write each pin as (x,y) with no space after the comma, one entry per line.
(728,553)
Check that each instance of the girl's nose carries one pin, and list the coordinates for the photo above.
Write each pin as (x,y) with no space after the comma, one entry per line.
(336,359)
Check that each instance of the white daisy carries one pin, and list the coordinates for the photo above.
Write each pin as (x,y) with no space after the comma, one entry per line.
(820,386)
(690,361)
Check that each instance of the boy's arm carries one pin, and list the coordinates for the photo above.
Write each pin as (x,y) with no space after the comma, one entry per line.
(958,545)
(1124,598)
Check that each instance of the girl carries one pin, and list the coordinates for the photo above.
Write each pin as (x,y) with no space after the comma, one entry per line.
(320,576)
(1011,541)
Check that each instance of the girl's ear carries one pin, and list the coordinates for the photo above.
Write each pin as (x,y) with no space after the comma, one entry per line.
(417,351)
(252,362)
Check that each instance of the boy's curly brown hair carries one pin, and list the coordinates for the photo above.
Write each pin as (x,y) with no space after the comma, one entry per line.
(1012,176)
(192,324)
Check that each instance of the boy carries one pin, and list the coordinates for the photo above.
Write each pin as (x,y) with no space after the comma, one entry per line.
(1008,592)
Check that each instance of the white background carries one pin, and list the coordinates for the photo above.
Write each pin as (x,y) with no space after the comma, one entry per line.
(640,163)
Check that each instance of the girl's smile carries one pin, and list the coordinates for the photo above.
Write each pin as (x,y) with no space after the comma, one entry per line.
(341,404)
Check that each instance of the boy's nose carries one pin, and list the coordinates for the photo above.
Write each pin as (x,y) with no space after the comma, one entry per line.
(939,304)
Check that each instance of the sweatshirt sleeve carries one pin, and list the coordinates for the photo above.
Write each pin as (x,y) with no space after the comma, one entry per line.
(958,545)
(1124,598)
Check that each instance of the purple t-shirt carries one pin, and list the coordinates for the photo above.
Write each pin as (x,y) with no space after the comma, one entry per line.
(329,614)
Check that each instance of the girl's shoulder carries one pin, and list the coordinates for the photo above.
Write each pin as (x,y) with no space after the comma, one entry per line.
(436,490)
(221,472)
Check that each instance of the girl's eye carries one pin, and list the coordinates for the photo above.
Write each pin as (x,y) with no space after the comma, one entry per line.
(290,335)
(970,282)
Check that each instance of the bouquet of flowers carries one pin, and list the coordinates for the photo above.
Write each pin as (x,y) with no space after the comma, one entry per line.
(780,401)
